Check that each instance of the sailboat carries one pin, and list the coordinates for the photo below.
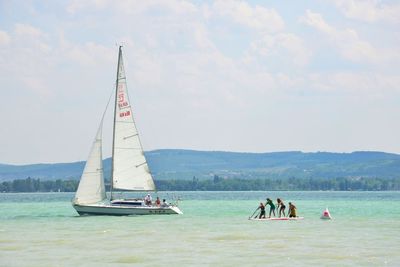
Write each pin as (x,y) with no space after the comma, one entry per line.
(129,170)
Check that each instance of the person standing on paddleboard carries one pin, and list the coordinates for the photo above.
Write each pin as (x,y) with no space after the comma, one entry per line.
(272,207)
(281,207)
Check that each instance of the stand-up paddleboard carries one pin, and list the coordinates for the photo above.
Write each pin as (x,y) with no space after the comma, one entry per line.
(326,215)
(277,219)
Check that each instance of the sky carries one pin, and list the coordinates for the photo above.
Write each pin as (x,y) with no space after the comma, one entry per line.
(246,76)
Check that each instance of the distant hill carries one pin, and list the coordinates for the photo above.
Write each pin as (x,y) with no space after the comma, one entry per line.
(184,164)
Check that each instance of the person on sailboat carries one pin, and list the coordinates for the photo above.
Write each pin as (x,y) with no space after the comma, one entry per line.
(272,207)
(164,203)
(147,200)
(158,202)
(281,207)
(292,210)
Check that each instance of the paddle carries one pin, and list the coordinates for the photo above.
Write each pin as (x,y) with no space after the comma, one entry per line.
(253,213)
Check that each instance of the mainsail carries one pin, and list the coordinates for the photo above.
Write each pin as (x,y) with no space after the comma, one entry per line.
(91,188)
(129,167)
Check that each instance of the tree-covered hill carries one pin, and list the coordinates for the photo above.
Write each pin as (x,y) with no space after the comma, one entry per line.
(184,164)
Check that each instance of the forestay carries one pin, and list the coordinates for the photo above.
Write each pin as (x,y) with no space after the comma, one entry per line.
(130,170)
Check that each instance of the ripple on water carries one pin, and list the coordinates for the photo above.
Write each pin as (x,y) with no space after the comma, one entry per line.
(230,237)
(130,259)
(11,248)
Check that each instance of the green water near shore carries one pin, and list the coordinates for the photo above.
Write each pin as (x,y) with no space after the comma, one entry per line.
(42,229)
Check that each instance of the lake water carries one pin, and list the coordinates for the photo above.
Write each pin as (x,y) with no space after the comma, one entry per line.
(42,229)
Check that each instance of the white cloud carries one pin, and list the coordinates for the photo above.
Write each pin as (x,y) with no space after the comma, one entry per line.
(369,10)
(36,59)
(267,28)
(28,59)
(258,17)
(364,87)
(32,37)
(75,6)
(88,53)
(283,45)
(202,38)
(27,30)
(347,41)
(4,38)
(316,20)
(133,7)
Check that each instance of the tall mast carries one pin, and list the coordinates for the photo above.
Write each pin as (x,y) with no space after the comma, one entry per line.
(115,118)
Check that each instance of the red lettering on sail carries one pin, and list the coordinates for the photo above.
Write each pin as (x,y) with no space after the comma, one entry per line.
(122,102)
(125,114)
(122,105)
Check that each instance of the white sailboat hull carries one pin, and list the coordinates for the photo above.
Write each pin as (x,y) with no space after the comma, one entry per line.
(124,210)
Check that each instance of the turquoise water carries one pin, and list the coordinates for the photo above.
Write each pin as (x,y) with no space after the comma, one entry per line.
(42,229)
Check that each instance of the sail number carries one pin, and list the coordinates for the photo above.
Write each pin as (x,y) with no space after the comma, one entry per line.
(122,102)
(125,114)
